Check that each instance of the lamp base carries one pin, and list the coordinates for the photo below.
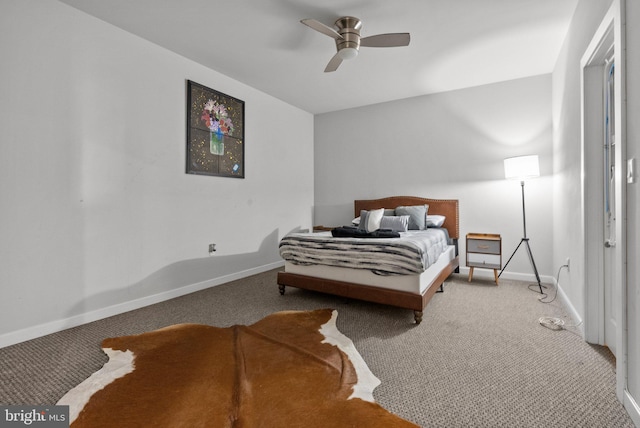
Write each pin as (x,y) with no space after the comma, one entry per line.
(533,263)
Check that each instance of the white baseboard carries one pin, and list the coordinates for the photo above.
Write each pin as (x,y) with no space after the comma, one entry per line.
(575,316)
(33,332)
(632,408)
(488,273)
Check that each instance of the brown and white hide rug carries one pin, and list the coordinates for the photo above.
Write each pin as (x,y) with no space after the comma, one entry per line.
(290,369)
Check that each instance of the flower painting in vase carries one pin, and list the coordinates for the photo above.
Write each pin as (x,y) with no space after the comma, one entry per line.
(215,132)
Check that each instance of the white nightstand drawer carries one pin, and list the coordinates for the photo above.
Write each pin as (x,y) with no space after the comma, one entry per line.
(490,261)
(483,246)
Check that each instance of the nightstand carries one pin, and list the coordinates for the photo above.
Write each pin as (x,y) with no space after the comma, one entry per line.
(484,250)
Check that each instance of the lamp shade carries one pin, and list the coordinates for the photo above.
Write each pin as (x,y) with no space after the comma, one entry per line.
(522,167)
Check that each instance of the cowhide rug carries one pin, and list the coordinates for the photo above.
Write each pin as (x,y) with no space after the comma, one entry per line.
(290,369)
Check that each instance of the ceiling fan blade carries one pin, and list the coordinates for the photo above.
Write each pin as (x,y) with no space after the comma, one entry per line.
(386,40)
(334,63)
(320,27)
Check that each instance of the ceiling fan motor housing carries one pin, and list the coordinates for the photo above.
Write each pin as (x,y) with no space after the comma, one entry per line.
(349,28)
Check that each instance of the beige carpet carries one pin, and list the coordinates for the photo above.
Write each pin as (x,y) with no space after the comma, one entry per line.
(480,358)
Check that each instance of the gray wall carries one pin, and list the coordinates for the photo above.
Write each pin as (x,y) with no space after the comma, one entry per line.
(98,215)
(449,145)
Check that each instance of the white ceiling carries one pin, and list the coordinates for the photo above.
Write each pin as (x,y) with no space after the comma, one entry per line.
(454,43)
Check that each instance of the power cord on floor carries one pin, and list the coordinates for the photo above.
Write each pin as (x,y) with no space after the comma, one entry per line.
(537,289)
(544,296)
(553,323)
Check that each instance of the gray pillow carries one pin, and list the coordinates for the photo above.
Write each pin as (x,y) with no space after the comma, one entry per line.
(389,212)
(395,223)
(417,216)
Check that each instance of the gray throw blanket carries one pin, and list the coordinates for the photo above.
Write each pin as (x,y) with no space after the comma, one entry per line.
(354,232)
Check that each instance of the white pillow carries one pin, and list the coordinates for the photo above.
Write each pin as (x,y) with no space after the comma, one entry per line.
(435,220)
(370,220)
(387,212)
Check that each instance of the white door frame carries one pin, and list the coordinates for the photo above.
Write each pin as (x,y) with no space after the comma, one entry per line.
(610,32)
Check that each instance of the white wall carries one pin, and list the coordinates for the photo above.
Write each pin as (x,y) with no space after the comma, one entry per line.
(97,210)
(568,236)
(569,239)
(633,202)
(449,145)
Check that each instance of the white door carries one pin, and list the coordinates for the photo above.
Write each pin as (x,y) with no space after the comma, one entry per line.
(603,218)
(609,189)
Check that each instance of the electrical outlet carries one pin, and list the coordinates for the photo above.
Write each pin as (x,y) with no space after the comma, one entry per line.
(568,263)
(212,248)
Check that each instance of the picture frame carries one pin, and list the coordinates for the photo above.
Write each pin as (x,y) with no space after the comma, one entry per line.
(215,133)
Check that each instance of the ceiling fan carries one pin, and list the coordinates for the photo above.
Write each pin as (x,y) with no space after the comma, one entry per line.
(348,41)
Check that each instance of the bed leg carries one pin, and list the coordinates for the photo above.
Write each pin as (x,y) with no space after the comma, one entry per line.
(417,315)
(281,288)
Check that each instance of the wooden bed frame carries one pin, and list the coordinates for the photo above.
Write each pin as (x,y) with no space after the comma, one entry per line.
(402,299)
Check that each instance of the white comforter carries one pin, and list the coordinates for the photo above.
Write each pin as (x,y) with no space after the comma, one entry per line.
(412,253)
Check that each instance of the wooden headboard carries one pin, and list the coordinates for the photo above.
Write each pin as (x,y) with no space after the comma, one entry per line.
(445,207)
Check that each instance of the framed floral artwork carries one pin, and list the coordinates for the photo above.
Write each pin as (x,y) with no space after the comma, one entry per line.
(215,132)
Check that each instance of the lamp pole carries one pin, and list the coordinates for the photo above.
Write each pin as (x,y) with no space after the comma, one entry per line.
(524,240)
(524,219)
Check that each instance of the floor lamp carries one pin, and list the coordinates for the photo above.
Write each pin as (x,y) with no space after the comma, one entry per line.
(522,168)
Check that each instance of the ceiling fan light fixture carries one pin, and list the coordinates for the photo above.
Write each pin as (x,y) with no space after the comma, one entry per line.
(348,53)
(348,41)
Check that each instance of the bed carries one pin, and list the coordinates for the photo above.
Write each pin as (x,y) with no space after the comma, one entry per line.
(411,290)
